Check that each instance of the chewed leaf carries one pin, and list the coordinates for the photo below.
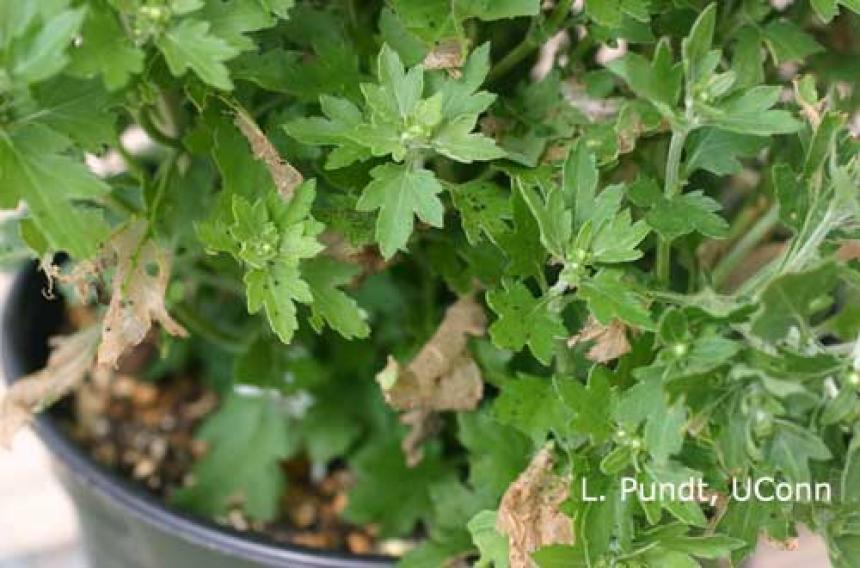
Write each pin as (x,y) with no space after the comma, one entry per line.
(71,358)
(139,286)
(529,512)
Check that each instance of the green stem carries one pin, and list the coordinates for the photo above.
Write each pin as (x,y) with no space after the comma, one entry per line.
(134,166)
(671,188)
(749,241)
(536,35)
(120,204)
(203,328)
(164,177)
(145,122)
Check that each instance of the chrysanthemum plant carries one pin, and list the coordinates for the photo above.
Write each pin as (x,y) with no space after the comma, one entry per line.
(509,262)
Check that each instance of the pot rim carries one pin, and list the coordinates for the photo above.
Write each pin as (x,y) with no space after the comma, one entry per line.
(132,498)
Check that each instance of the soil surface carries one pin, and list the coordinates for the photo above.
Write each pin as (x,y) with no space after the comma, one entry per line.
(146,433)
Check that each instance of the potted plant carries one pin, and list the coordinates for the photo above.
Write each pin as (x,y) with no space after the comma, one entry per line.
(504,282)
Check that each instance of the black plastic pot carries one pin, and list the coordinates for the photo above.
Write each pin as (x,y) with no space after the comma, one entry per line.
(122,525)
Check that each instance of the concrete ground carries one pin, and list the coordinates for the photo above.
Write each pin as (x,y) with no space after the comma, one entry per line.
(38,528)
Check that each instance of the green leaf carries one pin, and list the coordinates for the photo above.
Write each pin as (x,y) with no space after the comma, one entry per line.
(276,289)
(658,81)
(457,141)
(489,10)
(850,492)
(271,238)
(788,301)
(792,196)
(822,144)
(673,473)
(709,352)
(43,54)
(532,405)
(461,96)
(189,44)
(710,547)
(79,109)
(604,12)
(330,304)
(492,546)
(552,217)
(664,432)
(696,47)
(744,521)
(484,209)
(579,182)
(593,404)
(13,249)
(560,556)
(644,400)
(787,42)
(609,297)
(826,9)
(398,92)
(400,192)
(332,424)
(342,117)
(718,151)
(617,240)
(230,20)
(749,113)
(388,492)
(748,59)
(686,213)
(33,168)
(241,173)
(497,453)
(791,449)
(248,437)
(524,320)
(522,245)
(106,50)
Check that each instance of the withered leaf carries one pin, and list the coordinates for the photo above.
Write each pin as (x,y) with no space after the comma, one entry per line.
(529,513)
(447,54)
(423,425)
(139,285)
(285,177)
(70,360)
(442,376)
(610,341)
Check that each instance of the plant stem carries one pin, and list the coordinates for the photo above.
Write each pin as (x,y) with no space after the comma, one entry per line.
(203,328)
(749,241)
(164,176)
(536,35)
(145,122)
(671,188)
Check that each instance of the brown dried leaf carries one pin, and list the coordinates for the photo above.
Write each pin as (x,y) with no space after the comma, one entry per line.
(71,358)
(529,512)
(610,341)
(139,285)
(848,250)
(284,175)
(442,376)
(447,54)
(367,257)
(423,425)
